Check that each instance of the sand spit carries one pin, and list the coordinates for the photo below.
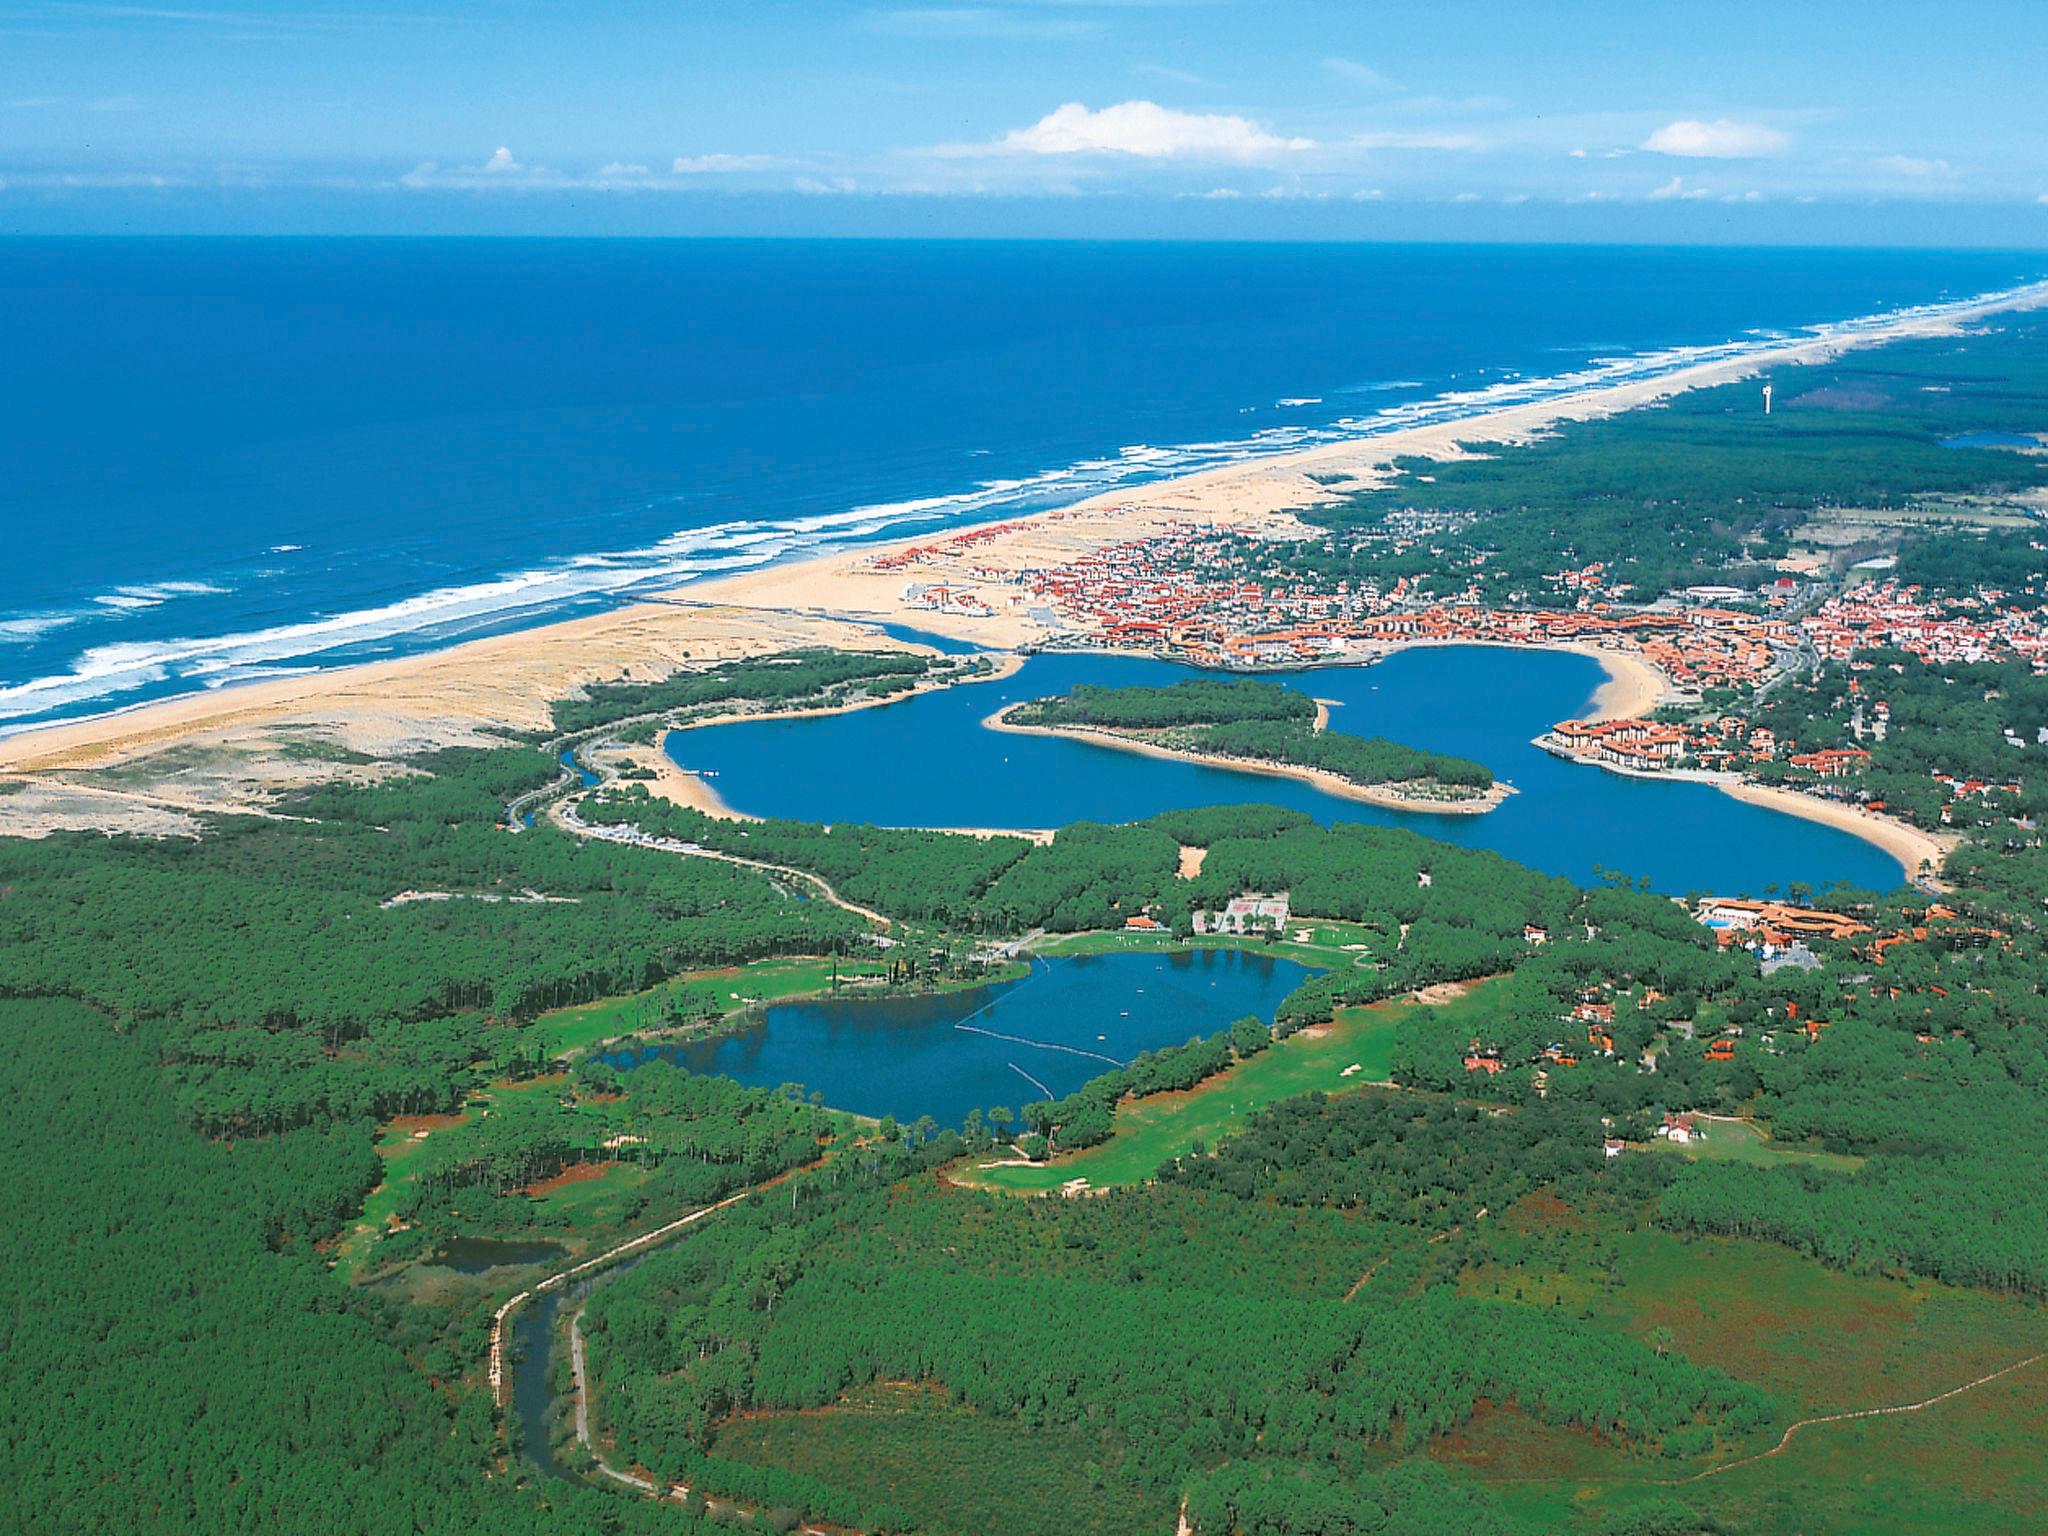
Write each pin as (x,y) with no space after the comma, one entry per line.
(1329,783)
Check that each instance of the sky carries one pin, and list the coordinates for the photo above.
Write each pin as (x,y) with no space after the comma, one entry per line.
(1736,122)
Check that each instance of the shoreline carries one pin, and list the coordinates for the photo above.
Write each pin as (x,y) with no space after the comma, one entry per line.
(1316,778)
(692,790)
(1634,685)
(258,731)
(1914,847)
(1905,842)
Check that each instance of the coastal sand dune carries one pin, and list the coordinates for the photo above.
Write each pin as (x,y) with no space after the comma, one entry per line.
(251,740)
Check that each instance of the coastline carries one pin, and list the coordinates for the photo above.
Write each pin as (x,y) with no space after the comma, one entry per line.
(259,733)
(1317,778)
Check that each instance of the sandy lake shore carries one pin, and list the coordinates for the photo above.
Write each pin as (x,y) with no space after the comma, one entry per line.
(1319,778)
(238,747)
(1921,852)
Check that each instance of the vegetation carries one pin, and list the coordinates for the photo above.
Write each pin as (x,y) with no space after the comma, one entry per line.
(183,1362)
(1258,721)
(823,676)
(1453,1290)
(1704,488)
(1191,701)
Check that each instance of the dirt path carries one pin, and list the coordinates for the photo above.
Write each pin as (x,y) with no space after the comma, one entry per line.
(1867,1413)
(566,818)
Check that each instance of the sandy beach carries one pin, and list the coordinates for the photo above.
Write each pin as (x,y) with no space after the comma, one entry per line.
(1921,852)
(237,747)
(1634,687)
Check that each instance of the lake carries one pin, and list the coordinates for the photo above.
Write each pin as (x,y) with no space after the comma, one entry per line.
(1039,1037)
(928,761)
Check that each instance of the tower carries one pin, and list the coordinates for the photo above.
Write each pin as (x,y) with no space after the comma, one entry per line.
(1767,399)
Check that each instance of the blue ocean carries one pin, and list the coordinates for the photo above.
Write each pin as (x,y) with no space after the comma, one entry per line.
(228,459)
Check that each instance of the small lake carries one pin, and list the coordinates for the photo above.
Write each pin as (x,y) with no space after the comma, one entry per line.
(1038,1037)
(475,1255)
(928,761)
(1991,440)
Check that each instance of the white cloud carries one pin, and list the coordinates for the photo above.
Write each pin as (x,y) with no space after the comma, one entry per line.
(1373,195)
(1676,187)
(810,186)
(500,169)
(1913,166)
(1219,195)
(979,21)
(1177,76)
(714,165)
(1463,141)
(2042,199)
(1357,73)
(1142,129)
(1719,140)
(1466,197)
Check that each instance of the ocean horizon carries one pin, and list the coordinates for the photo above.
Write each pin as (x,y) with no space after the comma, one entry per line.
(235,459)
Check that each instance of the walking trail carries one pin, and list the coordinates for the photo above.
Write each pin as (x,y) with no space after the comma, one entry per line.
(1868,1413)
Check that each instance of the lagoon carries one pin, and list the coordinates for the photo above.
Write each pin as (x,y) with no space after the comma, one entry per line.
(928,761)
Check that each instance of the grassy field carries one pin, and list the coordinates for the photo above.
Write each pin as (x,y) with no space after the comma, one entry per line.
(397,1146)
(955,1471)
(568,1031)
(1823,1341)
(1150,1131)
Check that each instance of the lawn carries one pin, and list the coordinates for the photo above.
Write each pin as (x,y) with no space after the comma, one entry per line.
(702,995)
(1150,1131)
(398,1146)
(1741,1141)
(953,1470)
(568,1031)
(1323,946)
